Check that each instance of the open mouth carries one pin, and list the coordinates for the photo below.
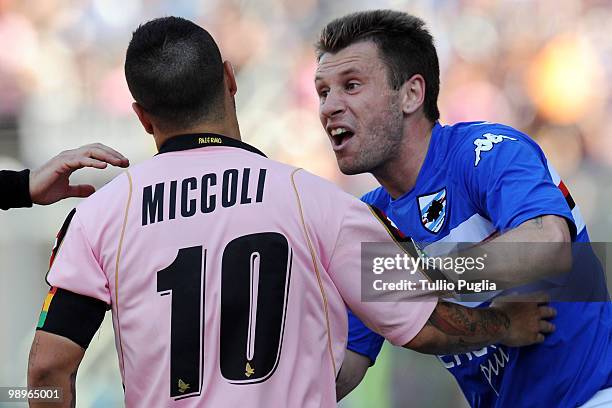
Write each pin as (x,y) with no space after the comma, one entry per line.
(340,136)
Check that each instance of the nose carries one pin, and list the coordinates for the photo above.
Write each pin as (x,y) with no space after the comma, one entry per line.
(332,106)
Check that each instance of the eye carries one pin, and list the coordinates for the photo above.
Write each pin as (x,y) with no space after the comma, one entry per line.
(323,93)
(352,85)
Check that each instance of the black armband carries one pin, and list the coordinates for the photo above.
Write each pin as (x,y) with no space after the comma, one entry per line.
(68,314)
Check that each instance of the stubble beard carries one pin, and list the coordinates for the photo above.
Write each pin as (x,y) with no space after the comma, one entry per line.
(380,143)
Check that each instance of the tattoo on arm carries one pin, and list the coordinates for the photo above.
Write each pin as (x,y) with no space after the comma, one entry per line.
(538,222)
(33,352)
(468,329)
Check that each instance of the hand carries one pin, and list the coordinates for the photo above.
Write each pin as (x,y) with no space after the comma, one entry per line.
(49,183)
(528,319)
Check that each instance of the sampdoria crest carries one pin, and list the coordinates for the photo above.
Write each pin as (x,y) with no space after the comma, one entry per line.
(433,210)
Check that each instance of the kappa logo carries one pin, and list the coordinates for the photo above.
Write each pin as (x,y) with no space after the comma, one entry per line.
(433,210)
(486,143)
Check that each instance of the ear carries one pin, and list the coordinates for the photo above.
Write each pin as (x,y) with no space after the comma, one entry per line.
(231,77)
(412,94)
(143,116)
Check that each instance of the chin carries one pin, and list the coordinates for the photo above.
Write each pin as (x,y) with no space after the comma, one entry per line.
(350,169)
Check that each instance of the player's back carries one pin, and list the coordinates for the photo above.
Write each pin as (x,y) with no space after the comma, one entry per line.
(217,263)
(210,284)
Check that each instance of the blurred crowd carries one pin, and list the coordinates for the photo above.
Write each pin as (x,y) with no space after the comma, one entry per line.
(544,67)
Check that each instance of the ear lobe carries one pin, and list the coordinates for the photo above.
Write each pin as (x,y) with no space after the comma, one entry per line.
(143,117)
(413,94)
(230,77)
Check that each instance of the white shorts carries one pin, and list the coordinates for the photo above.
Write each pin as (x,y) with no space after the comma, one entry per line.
(601,399)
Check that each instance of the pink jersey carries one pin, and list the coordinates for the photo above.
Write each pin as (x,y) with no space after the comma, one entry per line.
(228,275)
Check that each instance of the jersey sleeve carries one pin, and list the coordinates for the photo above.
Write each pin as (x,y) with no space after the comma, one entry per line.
(507,176)
(74,266)
(399,320)
(361,339)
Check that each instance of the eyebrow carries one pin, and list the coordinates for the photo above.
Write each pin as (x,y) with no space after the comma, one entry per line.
(344,72)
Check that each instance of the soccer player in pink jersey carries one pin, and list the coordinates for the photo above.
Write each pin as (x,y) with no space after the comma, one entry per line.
(228,274)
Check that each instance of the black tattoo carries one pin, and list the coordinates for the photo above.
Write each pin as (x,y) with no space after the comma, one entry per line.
(538,222)
(468,329)
(33,353)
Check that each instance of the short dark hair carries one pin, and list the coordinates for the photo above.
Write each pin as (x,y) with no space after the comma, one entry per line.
(405,45)
(174,70)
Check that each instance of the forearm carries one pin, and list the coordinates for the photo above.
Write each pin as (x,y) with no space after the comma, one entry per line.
(538,248)
(53,362)
(63,380)
(351,373)
(453,329)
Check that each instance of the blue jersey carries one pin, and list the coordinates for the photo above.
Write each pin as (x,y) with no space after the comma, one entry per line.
(479,179)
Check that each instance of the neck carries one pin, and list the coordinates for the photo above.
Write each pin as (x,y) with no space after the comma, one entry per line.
(227,128)
(399,174)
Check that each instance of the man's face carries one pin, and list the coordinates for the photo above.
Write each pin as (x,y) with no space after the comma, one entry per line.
(359,110)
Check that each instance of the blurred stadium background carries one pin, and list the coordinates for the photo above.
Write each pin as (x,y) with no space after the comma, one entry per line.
(544,67)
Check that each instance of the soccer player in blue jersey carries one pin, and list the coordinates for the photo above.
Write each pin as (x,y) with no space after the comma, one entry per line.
(378,82)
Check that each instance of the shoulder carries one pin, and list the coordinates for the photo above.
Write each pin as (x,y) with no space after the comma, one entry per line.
(318,187)
(108,201)
(478,144)
(324,201)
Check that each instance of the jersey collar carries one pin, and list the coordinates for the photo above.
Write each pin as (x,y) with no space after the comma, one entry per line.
(197,140)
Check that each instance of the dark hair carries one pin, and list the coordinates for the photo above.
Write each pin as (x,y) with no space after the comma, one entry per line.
(174,70)
(404,44)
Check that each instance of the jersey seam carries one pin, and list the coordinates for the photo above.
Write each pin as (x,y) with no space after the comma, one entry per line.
(314,264)
(117,260)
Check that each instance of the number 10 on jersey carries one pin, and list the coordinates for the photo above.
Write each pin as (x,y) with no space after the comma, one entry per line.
(255,275)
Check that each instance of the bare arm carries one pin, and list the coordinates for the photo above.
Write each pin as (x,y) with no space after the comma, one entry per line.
(453,328)
(352,372)
(537,248)
(54,361)
(547,228)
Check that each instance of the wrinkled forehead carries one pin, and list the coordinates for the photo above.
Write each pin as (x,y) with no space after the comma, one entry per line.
(359,57)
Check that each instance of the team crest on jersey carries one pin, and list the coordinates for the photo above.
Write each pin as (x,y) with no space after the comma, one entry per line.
(486,144)
(433,210)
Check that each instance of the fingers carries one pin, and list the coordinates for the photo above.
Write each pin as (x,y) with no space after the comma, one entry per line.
(107,154)
(547,312)
(540,338)
(93,155)
(546,327)
(80,190)
(80,162)
(48,183)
